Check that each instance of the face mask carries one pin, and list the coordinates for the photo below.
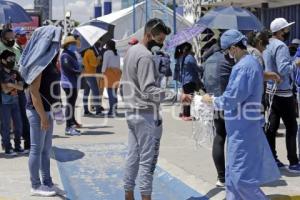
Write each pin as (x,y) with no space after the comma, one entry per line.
(10,64)
(72,48)
(9,43)
(151,44)
(286,36)
(22,40)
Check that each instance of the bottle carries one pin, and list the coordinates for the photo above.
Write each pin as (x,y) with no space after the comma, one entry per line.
(58,114)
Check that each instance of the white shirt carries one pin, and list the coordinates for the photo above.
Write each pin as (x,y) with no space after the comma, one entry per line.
(110,60)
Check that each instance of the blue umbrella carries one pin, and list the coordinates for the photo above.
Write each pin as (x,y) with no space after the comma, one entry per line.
(231,18)
(185,35)
(12,13)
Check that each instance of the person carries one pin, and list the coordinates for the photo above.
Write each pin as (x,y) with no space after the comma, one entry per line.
(112,74)
(143,95)
(70,72)
(294,46)
(21,41)
(38,68)
(133,41)
(217,69)
(277,59)
(249,158)
(8,43)
(21,38)
(190,77)
(91,62)
(11,83)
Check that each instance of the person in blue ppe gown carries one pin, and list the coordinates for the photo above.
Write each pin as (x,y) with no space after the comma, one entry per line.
(249,159)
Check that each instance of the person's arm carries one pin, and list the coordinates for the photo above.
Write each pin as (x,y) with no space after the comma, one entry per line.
(17,86)
(37,102)
(240,86)
(283,60)
(106,58)
(67,64)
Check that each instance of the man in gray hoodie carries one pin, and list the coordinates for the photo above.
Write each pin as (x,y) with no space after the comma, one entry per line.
(142,93)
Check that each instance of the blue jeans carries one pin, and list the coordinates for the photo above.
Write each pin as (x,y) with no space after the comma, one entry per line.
(91,85)
(40,150)
(25,123)
(11,111)
(113,99)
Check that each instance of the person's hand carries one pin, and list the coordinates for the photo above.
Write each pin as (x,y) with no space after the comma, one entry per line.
(297,63)
(44,123)
(272,76)
(186,98)
(207,99)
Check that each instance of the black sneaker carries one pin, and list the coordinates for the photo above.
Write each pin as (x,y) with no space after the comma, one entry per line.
(280,164)
(21,151)
(10,153)
(88,114)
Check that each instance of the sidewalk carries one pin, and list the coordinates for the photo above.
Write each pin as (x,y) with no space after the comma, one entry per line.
(179,158)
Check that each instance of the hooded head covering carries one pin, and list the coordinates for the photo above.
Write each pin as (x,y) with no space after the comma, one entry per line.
(232,37)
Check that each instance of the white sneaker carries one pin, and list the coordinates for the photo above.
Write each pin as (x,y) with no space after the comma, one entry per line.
(72,132)
(43,191)
(220,184)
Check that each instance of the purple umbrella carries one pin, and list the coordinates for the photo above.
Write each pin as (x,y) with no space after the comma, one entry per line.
(185,35)
(11,12)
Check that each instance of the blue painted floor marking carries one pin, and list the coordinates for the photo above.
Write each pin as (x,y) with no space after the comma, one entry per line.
(95,172)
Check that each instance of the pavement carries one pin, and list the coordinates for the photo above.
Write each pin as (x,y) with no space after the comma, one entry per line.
(89,167)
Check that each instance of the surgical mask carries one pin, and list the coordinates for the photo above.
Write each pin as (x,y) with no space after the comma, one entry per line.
(10,64)
(72,48)
(152,43)
(22,40)
(9,43)
(286,36)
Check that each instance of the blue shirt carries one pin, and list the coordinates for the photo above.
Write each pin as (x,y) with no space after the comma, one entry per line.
(277,59)
(190,70)
(9,77)
(70,69)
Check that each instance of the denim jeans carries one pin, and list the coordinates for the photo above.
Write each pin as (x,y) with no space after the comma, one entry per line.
(11,111)
(91,85)
(26,127)
(113,99)
(40,150)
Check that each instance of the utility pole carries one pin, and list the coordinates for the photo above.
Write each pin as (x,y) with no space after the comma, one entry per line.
(174,17)
(134,13)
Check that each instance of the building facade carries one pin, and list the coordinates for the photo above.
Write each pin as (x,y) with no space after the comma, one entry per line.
(45,7)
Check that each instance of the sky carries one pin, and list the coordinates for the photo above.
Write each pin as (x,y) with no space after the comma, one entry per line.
(81,10)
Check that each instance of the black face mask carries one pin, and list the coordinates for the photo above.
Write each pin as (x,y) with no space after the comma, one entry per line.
(286,36)
(152,44)
(10,65)
(293,50)
(9,43)
(228,59)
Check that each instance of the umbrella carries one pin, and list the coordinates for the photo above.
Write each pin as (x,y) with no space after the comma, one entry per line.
(185,35)
(12,13)
(92,31)
(231,18)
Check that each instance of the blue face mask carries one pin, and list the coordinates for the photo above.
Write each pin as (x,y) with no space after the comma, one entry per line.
(72,48)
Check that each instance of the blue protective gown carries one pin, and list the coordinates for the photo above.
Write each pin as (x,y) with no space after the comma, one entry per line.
(249,159)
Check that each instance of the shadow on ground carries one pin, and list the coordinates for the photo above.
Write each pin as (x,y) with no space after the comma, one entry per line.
(66,155)
(276,184)
(97,133)
(283,197)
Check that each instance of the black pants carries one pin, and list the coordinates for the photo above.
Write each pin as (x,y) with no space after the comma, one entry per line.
(188,88)
(218,151)
(26,126)
(71,94)
(285,108)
